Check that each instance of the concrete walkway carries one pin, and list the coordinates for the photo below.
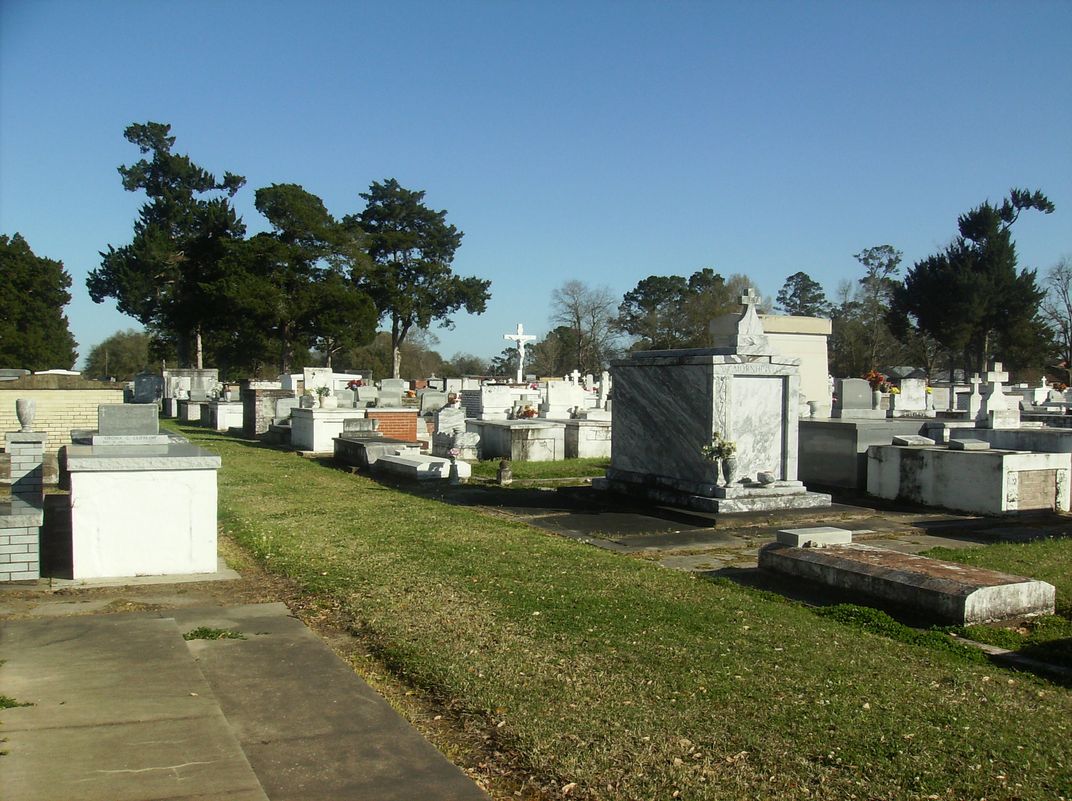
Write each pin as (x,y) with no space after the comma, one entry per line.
(124,709)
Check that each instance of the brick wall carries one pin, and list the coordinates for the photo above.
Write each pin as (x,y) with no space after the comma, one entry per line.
(20,556)
(397,424)
(258,408)
(58,409)
(20,532)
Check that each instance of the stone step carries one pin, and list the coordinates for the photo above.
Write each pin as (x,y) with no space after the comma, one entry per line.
(119,711)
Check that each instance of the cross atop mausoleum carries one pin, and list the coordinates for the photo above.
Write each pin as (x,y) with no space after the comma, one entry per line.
(750,298)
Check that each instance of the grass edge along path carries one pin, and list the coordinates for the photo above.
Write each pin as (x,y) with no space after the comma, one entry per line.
(631,680)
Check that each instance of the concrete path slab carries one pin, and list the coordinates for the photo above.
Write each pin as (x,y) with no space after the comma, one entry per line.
(123,709)
(311,728)
(119,711)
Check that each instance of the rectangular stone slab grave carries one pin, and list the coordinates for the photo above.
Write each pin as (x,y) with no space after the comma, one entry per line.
(968,445)
(946,591)
(361,443)
(410,463)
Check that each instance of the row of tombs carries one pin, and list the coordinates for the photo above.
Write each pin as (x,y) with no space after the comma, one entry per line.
(657,426)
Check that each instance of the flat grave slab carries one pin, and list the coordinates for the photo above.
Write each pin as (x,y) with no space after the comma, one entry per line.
(968,445)
(415,465)
(912,439)
(959,594)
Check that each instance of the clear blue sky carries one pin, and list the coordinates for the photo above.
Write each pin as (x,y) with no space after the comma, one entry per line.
(603,141)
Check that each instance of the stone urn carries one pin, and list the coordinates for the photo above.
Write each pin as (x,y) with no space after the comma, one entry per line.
(876,399)
(329,402)
(712,474)
(729,469)
(25,409)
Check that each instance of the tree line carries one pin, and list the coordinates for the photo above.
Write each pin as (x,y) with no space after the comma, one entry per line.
(954,310)
(200,286)
(314,288)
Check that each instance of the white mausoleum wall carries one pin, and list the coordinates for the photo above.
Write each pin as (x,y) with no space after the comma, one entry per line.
(806,339)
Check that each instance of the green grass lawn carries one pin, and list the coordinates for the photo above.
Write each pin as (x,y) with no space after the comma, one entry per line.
(566,468)
(1048,638)
(634,681)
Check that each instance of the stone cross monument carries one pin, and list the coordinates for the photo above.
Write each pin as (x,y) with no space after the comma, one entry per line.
(520,337)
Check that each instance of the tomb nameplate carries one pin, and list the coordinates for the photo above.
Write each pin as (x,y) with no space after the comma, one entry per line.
(127,419)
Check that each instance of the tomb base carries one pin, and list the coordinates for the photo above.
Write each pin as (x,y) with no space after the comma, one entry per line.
(750,497)
(141,510)
(858,414)
(969,479)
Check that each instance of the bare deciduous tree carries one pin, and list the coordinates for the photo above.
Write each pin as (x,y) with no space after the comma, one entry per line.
(1057,309)
(588,312)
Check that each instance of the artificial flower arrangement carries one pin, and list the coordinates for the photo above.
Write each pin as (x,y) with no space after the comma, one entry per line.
(718,448)
(878,381)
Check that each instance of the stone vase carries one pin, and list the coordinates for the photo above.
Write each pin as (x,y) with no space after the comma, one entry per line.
(876,399)
(729,469)
(329,402)
(25,409)
(712,475)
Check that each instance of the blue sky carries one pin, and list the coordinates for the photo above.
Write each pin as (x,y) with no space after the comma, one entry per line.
(602,141)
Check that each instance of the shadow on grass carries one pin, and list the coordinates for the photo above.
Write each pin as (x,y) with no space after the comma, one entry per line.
(1050,660)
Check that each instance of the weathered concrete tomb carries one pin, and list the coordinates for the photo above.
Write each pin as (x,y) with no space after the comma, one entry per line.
(950,592)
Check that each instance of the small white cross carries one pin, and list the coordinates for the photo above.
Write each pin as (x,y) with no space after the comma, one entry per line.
(750,298)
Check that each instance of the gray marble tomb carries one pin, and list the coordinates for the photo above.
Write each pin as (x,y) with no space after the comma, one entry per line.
(668,404)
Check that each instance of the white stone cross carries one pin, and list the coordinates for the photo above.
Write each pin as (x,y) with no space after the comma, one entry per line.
(520,338)
(996,375)
(750,298)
